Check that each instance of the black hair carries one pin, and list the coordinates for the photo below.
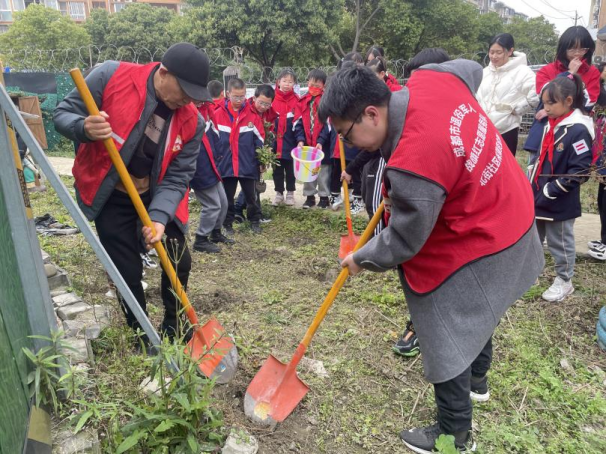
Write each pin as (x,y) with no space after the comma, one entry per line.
(572,37)
(377,64)
(505,40)
(425,57)
(354,57)
(564,86)
(375,51)
(287,72)
(215,89)
(317,75)
(235,83)
(265,90)
(350,91)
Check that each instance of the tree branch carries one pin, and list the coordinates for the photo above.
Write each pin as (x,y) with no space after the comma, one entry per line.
(370,17)
(334,52)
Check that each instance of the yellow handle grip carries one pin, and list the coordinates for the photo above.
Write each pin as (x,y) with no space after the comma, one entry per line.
(114,155)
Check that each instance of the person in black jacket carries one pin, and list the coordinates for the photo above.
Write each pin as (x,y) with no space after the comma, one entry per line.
(556,174)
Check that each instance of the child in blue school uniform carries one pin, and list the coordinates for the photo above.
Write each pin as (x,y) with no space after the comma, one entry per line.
(565,152)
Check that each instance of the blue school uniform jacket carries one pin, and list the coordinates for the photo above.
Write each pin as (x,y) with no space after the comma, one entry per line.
(239,139)
(328,138)
(559,198)
(207,174)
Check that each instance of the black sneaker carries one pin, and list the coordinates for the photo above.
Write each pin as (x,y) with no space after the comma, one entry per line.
(238,218)
(324,203)
(255,227)
(265,219)
(423,440)
(229,230)
(216,236)
(309,202)
(479,389)
(408,344)
(203,245)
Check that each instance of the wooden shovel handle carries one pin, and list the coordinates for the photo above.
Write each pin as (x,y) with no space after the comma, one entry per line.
(338,284)
(114,155)
(345,188)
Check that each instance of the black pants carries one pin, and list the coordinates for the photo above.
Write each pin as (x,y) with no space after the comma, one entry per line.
(335,179)
(119,230)
(240,203)
(285,168)
(253,211)
(452,397)
(369,180)
(511,139)
(602,210)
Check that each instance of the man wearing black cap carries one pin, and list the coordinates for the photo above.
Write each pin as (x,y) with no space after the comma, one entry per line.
(149,111)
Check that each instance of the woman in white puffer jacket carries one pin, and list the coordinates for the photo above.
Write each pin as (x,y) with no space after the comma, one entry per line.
(508,88)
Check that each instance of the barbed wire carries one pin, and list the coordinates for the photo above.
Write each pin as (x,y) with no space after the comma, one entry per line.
(62,60)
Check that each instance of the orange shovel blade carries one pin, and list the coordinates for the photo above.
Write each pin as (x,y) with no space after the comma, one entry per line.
(215,351)
(348,243)
(271,396)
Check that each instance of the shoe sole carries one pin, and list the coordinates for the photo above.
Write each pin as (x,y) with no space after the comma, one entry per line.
(597,255)
(560,299)
(411,353)
(419,450)
(479,397)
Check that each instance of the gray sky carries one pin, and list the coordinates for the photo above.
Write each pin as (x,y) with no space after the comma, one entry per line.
(558,12)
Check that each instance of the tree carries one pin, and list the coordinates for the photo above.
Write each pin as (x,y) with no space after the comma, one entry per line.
(537,37)
(141,27)
(489,25)
(97,26)
(288,31)
(36,32)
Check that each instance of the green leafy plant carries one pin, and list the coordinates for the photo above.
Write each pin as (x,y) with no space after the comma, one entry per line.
(265,154)
(446,444)
(45,384)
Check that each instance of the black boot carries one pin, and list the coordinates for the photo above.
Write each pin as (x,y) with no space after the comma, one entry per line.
(203,245)
(217,236)
(255,227)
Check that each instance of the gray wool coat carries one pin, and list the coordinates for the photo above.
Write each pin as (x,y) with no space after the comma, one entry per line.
(454,321)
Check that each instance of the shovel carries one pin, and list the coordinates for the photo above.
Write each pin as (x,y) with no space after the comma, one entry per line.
(210,345)
(349,241)
(276,389)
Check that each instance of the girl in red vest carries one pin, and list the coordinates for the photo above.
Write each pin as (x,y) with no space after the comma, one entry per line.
(461,219)
(285,105)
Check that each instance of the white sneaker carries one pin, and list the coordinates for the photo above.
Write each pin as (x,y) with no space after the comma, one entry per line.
(279,199)
(148,262)
(337,203)
(598,252)
(357,205)
(290,198)
(559,290)
(144,285)
(111,294)
(595,244)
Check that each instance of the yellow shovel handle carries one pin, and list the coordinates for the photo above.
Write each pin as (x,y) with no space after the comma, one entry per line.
(91,106)
(338,284)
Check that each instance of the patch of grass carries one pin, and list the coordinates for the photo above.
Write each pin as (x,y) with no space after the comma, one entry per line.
(266,289)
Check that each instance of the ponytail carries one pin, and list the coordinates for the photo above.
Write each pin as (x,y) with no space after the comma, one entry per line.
(564,86)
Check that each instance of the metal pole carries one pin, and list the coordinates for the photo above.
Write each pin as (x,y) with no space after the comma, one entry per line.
(78,216)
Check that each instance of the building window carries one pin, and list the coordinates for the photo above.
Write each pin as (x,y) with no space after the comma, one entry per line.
(50,4)
(18,5)
(118,7)
(76,11)
(5,11)
(99,5)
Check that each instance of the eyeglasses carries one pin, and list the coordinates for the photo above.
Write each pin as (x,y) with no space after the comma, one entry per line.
(578,50)
(345,137)
(263,104)
(237,98)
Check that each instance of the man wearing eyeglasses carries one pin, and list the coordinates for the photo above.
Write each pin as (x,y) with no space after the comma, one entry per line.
(460,229)
(149,111)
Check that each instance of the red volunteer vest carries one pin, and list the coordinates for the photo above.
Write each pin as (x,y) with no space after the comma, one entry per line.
(489,204)
(124,101)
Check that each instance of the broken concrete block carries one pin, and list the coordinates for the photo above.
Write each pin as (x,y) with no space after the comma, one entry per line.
(86,441)
(50,270)
(92,332)
(45,256)
(71,311)
(240,441)
(314,366)
(65,299)
(78,352)
(73,328)
(58,280)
